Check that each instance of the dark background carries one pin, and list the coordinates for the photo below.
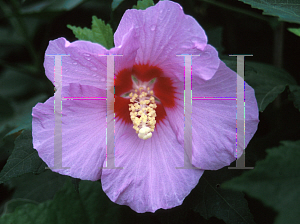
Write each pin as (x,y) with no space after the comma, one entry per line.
(232,27)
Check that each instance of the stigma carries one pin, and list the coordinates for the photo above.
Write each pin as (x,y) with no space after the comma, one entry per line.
(142,112)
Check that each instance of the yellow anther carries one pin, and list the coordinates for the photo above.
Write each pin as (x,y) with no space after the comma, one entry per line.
(142,112)
(151,113)
(137,121)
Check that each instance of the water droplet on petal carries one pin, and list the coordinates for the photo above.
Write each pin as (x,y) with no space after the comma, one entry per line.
(94,68)
(87,55)
(152,27)
(187,45)
(207,54)
(74,63)
(103,79)
(195,39)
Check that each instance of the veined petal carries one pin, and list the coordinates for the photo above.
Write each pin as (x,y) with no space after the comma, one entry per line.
(214,121)
(83,132)
(165,32)
(84,64)
(149,179)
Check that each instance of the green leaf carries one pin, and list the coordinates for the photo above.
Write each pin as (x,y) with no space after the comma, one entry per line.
(143,4)
(275,181)
(24,159)
(37,188)
(97,204)
(295,95)
(209,200)
(100,33)
(295,31)
(48,6)
(75,182)
(286,10)
(115,4)
(23,118)
(6,144)
(11,205)
(91,205)
(267,81)
(67,5)
(66,207)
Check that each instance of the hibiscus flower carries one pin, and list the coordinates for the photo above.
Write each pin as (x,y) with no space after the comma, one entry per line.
(149,109)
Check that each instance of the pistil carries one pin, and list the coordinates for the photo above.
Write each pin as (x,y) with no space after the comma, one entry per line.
(143,112)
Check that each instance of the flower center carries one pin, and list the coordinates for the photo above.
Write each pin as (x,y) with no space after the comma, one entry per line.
(141,95)
(143,112)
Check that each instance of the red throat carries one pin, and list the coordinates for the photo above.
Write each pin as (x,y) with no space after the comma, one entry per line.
(163,90)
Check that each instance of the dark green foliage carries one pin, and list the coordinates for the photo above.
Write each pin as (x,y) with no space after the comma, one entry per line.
(100,33)
(24,159)
(267,81)
(286,10)
(275,181)
(32,194)
(143,4)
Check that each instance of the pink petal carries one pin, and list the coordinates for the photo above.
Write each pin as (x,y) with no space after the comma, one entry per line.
(214,121)
(83,132)
(149,179)
(165,32)
(84,65)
